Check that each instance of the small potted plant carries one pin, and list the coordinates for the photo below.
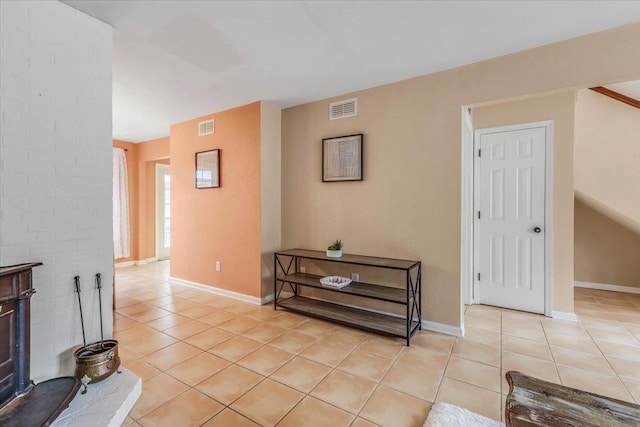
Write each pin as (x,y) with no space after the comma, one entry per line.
(335,250)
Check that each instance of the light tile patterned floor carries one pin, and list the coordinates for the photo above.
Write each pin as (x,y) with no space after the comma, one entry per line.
(215,361)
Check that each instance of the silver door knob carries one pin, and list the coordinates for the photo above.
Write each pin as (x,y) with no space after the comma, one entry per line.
(537,229)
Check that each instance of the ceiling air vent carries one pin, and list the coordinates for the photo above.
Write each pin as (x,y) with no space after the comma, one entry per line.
(342,109)
(205,128)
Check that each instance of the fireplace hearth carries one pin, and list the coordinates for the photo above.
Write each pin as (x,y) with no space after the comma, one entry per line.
(21,402)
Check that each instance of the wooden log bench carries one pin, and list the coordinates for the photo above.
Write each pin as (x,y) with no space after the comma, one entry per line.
(534,402)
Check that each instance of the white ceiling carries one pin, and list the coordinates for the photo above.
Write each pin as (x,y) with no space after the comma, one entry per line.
(177,60)
(630,89)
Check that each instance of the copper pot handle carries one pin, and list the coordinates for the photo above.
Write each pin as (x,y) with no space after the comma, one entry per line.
(112,361)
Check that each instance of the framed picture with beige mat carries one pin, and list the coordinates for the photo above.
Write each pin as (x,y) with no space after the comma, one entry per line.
(342,158)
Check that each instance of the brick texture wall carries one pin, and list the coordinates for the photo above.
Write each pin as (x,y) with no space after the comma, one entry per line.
(55,169)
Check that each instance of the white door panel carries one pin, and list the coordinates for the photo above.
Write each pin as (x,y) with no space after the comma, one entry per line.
(511,202)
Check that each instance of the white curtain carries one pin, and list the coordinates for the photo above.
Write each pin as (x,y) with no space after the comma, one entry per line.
(121,233)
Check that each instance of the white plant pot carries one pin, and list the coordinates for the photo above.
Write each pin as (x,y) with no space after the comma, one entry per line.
(334,254)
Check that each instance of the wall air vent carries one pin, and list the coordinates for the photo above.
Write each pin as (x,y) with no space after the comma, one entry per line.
(206,128)
(343,109)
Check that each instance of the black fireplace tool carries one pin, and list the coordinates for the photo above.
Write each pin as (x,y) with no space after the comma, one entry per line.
(99,285)
(85,351)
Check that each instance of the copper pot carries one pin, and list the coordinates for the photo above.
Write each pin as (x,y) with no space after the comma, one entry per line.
(97,361)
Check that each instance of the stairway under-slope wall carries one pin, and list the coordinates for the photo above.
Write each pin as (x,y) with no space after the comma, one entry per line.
(607,190)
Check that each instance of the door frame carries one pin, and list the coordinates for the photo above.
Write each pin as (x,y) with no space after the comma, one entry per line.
(469,239)
(158,190)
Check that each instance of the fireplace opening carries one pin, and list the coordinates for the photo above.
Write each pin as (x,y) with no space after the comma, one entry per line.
(22,403)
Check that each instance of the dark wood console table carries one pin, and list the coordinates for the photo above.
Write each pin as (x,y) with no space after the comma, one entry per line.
(287,273)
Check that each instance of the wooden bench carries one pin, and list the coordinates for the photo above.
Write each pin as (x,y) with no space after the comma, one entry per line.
(533,402)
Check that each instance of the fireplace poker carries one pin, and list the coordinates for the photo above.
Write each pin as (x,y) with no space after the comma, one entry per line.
(84,338)
(99,284)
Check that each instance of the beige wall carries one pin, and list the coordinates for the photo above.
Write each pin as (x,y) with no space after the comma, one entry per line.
(607,156)
(605,251)
(270,190)
(560,108)
(409,203)
(607,178)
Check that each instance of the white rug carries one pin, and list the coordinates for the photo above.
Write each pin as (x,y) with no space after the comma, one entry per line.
(446,415)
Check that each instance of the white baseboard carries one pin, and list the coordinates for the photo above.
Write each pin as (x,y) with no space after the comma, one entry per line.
(563,315)
(606,287)
(220,291)
(136,262)
(124,264)
(443,328)
(267,299)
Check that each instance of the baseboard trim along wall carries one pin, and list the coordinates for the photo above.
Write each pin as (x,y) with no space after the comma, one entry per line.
(267,299)
(130,263)
(563,315)
(443,328)
(125,264)
(220,291)
(606,287)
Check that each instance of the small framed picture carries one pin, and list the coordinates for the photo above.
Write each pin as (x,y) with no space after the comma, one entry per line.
(342,158)
(208,169)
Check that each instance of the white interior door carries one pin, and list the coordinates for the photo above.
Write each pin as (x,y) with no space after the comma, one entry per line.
(163,211)
(510,223)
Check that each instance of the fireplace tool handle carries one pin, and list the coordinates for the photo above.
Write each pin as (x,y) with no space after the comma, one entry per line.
(77,284)
(99,284)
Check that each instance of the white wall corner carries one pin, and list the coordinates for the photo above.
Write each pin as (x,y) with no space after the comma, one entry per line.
(563,315)
(267,299)
(270,189)
(456,331)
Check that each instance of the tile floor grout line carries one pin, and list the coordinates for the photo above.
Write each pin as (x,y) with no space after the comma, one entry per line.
(624,385)
(553,357)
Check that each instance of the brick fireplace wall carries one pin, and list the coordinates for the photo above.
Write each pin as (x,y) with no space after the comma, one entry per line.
(56,169)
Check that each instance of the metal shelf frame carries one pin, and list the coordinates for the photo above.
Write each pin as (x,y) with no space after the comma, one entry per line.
(287,274)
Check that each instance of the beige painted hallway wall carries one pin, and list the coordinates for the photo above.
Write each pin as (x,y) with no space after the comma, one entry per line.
(605,251)
(607,182)
(409,202)
(560,108)
(607,157)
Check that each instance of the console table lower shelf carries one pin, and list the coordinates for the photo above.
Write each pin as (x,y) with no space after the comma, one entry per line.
(358,318)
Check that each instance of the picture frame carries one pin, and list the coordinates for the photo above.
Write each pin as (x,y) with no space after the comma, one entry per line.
(342,158)
(208,169)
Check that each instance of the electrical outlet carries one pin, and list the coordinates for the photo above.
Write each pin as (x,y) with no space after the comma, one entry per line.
(217,265)
(355,277)
(303,269)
